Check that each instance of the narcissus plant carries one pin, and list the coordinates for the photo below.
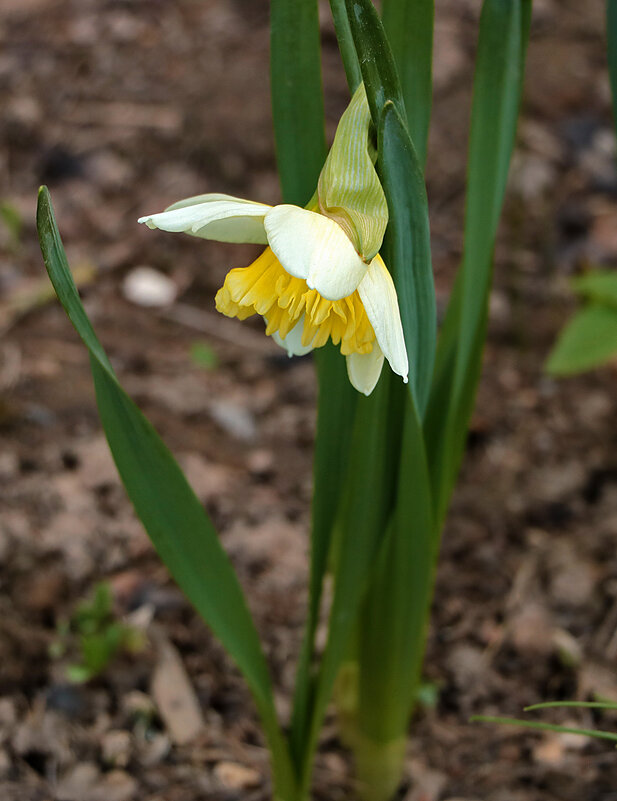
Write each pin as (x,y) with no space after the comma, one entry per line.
(352,267)
(321,277)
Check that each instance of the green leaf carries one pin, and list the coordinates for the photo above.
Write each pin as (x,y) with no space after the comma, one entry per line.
(297,97)
(409,28)
(529,724)
(611,35)
(376,60)
(589,340)
(346,45)
(503,37)
(336,412)
(393,623)
(367,501)
(409,249)
(608,705)
(493,126)
(166,505)
(78,674)
(297,103)
(599,286)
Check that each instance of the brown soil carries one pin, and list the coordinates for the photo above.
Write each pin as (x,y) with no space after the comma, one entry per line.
(122,107)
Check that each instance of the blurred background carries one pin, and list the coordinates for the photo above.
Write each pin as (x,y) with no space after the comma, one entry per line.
(111,688)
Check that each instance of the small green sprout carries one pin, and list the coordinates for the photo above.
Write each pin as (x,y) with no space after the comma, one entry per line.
(96,634)
(204,356)
(12,221)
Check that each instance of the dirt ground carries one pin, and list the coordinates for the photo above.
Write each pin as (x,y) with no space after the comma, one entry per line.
(123,106)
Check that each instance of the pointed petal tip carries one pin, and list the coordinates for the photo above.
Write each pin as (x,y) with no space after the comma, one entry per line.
(380,301)
(364,369)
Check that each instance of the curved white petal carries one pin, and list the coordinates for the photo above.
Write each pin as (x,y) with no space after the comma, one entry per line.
(220,217)
(379,298)
(293,341)
(315,248)
(364,369)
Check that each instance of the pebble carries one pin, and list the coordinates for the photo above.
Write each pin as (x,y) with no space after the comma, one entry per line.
(531,630)
(78,781)
(116,786)
(234,776)
(116,747)
(138,705)
(145,286)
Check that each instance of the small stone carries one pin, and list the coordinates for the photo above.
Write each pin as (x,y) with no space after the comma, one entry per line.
(260,462)
(116,747)
(145,286)
(550,751)
(427,784)
(570,740)
(235,419)
(9,465)
(8,713)
(568,648)
(116,786)
(234,776)
(573,579)
(532,176)
(138,705)
(467,663)
(531,630)
(6,764)
(78,782)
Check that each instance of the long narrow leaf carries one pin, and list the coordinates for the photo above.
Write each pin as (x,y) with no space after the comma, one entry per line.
(346,45)
(298,114)
(336,413)
(607,705)
(530,724)
(409,249)
(395,616)
(362,522)
(409,28)
(408,236)
(376,60)
(168,508)
(504,32)
(297,96)
(493,127)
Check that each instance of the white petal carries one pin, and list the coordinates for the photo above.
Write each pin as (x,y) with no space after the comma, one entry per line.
(379,298)
(364,369)
(220,217)
(315,248)
(293,341)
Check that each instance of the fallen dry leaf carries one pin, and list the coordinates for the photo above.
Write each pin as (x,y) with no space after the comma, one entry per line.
(174,694)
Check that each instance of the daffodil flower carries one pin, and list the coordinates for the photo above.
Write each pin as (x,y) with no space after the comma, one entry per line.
(321,276)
